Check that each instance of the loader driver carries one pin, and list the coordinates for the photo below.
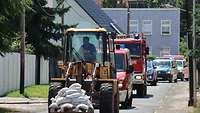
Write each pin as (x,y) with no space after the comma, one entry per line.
(88,50)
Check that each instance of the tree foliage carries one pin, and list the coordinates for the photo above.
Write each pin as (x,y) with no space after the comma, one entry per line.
(183,47)
(40,28)
(109,3)
(165,3)
(151,57)
(10,22)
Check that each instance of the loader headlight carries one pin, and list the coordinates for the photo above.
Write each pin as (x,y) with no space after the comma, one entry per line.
(120,84)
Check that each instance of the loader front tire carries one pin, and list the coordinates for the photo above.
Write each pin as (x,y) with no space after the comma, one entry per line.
(53,91)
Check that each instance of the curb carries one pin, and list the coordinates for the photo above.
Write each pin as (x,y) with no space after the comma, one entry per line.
(23,102)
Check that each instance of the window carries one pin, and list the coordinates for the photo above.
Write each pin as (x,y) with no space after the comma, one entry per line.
(165,51)
(147,27)
(165,27)
(134,26)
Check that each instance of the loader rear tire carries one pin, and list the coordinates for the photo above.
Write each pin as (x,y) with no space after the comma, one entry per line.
(116,103)
(106,102)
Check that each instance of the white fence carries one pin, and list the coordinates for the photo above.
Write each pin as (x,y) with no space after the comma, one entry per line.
(10,71)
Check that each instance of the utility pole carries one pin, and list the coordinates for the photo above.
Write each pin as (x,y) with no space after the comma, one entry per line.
(190,6)
(194,60)
(22,53)
(128,18)
(62,21)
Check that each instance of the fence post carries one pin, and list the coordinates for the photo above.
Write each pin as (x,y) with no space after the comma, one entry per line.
(37,70)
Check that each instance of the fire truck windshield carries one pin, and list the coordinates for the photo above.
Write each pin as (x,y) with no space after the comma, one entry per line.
(135,49)
(120,64)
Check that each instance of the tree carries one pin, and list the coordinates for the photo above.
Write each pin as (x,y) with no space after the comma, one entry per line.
(41,29)
(183,47)
(110,3)
(10,22)
(42,33)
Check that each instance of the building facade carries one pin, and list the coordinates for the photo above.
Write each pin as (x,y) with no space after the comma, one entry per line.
(161,26)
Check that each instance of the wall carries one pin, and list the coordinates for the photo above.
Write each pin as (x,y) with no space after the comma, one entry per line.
(156,40)
(10,71)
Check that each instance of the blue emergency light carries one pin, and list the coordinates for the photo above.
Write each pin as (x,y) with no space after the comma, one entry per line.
(122,45)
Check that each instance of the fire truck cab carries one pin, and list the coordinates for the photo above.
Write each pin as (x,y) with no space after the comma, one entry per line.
(138,52)
(124,69)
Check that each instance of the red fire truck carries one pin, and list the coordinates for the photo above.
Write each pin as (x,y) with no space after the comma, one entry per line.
(138,51)
(124,69)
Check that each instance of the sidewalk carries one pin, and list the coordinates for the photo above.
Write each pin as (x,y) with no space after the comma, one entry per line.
(20,100)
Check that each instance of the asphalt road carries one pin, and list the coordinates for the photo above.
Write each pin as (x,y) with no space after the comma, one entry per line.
(163,98)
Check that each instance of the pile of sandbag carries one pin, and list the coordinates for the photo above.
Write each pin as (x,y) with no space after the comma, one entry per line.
(71,99)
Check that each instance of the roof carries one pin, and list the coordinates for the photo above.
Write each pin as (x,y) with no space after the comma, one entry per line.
(175,56)
(98,15)
(85,30)
(145,9)
(161,59)
(128,41)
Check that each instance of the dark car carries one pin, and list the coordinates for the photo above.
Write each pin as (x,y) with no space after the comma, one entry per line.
(151,73)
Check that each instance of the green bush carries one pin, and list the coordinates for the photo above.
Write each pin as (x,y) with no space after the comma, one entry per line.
(151,57)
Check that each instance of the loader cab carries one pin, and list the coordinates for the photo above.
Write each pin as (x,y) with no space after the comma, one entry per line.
(99,47)
(88,45)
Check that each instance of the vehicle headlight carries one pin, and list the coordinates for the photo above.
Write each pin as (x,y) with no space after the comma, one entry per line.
(168,72)
(149,71)
(181,70)
(138,77)
(150,77)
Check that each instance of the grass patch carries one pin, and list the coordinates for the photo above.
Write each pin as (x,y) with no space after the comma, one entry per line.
(37,91)
(197,109)
(5,110)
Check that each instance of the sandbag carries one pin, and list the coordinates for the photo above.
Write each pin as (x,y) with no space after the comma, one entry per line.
(61,93)
(81,107)
(63,100)
(71,99)
(76,86)
(53,105)
(74,95)
(53,100)
(71,91)
(66,107)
